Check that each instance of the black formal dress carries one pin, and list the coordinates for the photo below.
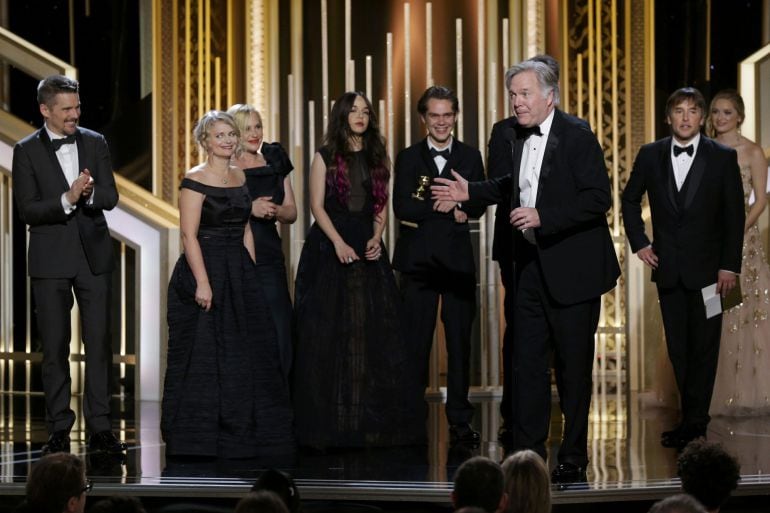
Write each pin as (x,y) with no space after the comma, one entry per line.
(224,393)
(354,384)
(268,181)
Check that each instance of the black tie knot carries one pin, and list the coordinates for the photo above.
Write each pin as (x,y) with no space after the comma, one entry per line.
(683,149)
(522,132)
(439,153)
(58,143)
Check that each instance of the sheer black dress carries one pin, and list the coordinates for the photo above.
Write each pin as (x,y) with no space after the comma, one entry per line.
(268,181)
(354,375)
(224,394)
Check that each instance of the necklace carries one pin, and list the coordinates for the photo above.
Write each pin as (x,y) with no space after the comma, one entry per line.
(224,177)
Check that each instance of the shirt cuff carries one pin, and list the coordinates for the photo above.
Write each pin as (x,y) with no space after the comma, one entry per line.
(66,205)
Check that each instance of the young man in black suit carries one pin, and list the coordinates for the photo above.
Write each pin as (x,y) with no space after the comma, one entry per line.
(434,252)
(563,258)
(694,188)
(62,182)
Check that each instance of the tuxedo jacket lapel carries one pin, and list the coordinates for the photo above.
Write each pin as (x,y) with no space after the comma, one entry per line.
(516,151)
(667,170)
(430,164)
(550,150)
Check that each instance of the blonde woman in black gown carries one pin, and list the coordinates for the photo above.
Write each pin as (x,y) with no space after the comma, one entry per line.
(224,395)
(267,168)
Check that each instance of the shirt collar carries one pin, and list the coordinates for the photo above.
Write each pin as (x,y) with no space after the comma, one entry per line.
(545,126)
(694,141)
(448,146)
(52,135)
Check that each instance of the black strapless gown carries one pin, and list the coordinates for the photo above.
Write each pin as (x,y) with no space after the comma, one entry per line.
(354,375)
(224,393)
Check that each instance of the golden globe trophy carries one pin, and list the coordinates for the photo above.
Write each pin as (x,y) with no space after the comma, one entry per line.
(422,185)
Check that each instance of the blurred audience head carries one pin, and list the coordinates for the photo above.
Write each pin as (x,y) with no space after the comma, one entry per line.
(57,484)
(118,504)
(282,485)
(527,483)
(261,502)
(479,483)
(708,473)
(681,503)
(470,509)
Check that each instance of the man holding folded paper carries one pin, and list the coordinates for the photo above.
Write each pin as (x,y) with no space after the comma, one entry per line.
(694,189)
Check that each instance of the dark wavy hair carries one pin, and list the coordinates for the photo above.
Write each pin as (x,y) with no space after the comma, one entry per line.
(337,140)
(708,472)
(54,479)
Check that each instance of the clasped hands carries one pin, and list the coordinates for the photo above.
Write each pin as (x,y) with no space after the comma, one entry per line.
(264,208)
(82,187)
(347,255)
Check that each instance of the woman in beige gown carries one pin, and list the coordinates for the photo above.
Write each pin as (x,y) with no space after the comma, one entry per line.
(742,384)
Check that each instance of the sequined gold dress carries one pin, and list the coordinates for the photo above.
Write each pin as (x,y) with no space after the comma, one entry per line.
(742,384)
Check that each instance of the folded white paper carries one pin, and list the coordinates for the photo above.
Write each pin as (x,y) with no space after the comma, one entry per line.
(711,300)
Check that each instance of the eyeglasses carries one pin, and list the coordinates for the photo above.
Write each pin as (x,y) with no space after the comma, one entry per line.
(88,487)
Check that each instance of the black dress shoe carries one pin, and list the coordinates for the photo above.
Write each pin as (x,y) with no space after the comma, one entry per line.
(57,442)
(106,441)
(568,473)
(685,435)
(463,434)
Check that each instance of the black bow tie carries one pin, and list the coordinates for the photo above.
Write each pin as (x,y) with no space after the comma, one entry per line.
(522,132)
(58,143)
(686,149)
(442,153)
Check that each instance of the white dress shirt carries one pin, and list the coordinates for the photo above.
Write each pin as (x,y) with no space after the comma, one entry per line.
(439,159)
(682,162)
(67,155)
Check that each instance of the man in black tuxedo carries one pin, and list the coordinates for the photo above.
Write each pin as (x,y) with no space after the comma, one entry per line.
(563,259)
(62,182)
(434,252)
(694,188)
(499,164)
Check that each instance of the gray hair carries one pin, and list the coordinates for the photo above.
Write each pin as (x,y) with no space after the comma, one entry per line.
(548,80)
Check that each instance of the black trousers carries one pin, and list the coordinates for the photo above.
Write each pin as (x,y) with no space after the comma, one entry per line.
(421,292)
(508,279)
(53,303)
(542,326)
(693,348)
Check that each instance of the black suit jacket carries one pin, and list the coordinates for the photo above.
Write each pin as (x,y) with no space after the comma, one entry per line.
(438,242)
(698,234)
(500,164)
(39,182)
(573,242)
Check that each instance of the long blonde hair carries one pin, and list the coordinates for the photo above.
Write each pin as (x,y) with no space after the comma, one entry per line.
(733,97)
(527,483)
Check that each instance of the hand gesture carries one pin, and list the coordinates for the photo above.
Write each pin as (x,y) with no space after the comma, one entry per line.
(444,206)
(204,296)
(345,254)
(725,282)
(450,190)
(524,218)
(648,256)
(373,248)
(264,208)
(82,186)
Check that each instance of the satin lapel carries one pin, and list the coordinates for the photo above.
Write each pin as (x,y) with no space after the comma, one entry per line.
(430,165)
(516,149)
(697,169)
(57,170)
(545,169)
(451,163)
(667,170)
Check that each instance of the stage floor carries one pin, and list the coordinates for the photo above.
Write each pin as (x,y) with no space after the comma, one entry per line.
(628,464)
